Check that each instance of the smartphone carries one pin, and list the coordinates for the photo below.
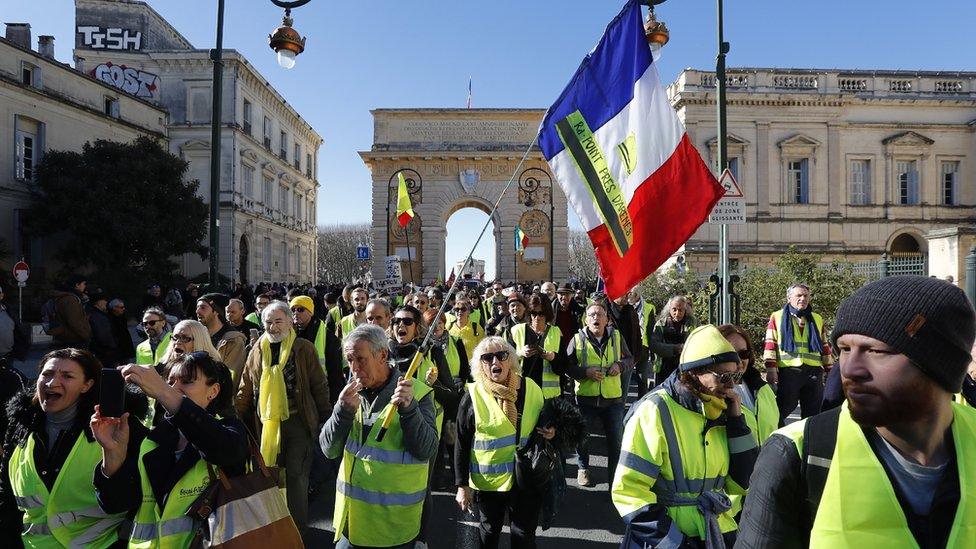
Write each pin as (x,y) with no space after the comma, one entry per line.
(254,334)
(111,398)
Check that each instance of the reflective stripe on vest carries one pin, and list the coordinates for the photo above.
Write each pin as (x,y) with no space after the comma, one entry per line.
(802,356)
(170,528)
(587,357)
(493,448)
(381,487)
(666,459)
(69,515)
(871,515)
(550,343)
(145,354)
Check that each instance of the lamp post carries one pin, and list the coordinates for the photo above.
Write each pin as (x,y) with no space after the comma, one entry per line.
(723,162)
(530,182)
(285,40)
(414,184)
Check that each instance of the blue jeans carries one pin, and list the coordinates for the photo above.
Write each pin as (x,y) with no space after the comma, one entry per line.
(612,417)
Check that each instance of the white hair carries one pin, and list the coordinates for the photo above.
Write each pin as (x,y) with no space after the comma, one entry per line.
(477,372)
(201,341)
(374,336)
(276,305)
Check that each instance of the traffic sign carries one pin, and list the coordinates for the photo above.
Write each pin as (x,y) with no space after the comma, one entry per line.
(362,253)
(21,271)
(731,208)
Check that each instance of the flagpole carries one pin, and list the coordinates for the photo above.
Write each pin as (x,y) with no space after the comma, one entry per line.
(422,349)
(723,161)
(406,231)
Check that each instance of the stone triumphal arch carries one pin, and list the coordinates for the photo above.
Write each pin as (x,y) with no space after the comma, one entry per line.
(459,158)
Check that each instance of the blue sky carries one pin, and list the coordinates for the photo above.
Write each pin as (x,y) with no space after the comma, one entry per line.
(365,54)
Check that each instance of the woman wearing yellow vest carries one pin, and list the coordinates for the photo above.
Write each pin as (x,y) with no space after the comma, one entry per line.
(536,343)
(686,445)
(500,402)
(462,326)
(47,498)
(169,472)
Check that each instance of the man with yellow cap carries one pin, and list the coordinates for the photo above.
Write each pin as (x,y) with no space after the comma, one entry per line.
(685,447)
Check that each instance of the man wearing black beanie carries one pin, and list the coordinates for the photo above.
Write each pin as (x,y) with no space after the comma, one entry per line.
(892,467)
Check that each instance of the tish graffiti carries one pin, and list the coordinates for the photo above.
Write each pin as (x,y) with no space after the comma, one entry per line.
(110,38)
(132,81)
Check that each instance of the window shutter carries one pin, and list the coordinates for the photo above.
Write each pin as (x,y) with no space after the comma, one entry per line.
(804,182)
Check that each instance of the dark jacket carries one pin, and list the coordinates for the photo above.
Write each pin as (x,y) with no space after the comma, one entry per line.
(626,320)
(102,344)
(445,392)
(569,321)
(220,442)
(532,366)
(666,342)
(777,513)
(125,349)
(651,524)
(74,330)
(333,358)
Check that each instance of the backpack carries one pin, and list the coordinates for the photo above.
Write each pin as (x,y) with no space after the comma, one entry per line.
(49,318)
(819,440)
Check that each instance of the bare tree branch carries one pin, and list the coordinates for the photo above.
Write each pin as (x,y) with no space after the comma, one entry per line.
(337,253)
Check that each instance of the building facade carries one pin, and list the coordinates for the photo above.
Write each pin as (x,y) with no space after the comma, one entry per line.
(850,164)
(268,152)
(46,105)
(476,269)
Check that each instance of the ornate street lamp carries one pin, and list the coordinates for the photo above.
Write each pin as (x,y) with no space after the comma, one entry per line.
(285,40)
(656,31)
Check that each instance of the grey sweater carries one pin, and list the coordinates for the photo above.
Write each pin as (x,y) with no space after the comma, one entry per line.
(417,422)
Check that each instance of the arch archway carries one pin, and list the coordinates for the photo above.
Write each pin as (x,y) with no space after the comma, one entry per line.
(244,260)
(462,223)
(906,242)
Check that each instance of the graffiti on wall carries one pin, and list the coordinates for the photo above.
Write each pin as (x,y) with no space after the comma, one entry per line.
(110,38)
(132,81)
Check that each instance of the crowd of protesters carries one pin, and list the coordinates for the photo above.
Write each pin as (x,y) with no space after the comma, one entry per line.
(341,387)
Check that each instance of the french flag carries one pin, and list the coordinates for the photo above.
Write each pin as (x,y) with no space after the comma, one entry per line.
(618,150)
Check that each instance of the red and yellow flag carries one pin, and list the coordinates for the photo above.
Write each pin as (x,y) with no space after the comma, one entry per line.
(404,208)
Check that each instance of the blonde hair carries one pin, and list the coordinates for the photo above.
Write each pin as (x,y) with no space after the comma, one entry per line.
(201,341)
(477,372)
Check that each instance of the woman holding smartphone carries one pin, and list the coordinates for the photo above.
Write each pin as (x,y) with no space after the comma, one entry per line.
(169,471)
(537,344)
(47,497)
(686,446)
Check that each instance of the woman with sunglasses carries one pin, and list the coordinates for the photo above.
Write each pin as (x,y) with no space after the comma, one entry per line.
(686,447)
(497,414)
(460,325)
(170,469)
(536,343)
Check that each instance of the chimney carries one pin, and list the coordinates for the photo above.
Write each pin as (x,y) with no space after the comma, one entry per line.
(20,34)
(45,46)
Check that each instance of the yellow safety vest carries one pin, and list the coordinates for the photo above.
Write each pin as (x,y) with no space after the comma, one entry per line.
(470,335)
(381,486)
(762,420)
(320,345)
(171,528)
(145,354)
(802,356)
(348,324)
(550,379)
(666,459)
(452,357)
(493,447)
(961,400)
(254,317)
(871,515)
(587,357)
(68,515)
(650,311)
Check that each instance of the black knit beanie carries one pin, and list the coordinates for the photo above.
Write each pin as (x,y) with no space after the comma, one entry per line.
(928,320)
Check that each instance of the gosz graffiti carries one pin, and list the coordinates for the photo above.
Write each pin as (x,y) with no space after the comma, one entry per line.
(132,81)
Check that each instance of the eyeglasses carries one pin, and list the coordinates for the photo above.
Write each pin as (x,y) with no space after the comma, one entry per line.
(180,338)
(536,313)
(726,377)
(150,322)
(488,358)
(405,321)
(460,310)
(298,309)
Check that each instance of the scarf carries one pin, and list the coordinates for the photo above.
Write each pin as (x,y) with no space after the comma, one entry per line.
(786,330)
(272,396)
(505,395)
(712,406)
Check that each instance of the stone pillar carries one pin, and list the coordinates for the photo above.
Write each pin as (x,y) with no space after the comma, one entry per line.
(762,169)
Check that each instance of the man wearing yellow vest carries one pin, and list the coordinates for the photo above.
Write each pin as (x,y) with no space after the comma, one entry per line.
(893,466)
(151,350)
(349,322)
(595,357)
(260,302)
(796,352)
(382,484)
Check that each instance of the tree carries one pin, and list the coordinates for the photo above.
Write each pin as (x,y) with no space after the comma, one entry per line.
(337,252)
(582,260)
(121,212)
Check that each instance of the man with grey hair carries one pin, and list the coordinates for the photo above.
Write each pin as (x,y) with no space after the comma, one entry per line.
(796,353)
(380,500)
(288,415)
(378,312)
(234,311)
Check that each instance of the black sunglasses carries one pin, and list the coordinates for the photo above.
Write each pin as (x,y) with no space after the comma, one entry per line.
(488,358)
(536,313)
(405,321)
(460,309)
(727,377)
(744,355)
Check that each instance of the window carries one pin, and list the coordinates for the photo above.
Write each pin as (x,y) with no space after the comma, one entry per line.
(734,167)
(267,133)
(860,182)
(308,165)
(283,149)
(298,259)
(268,194)
(907,178)
(298,206)
(247,117)
(310,212)
(797,181)
(247,174)
(298,157)
(26,155)
(27,73)
(267,255)
(111,106)
(283,200)
(284,257)
(950,171)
